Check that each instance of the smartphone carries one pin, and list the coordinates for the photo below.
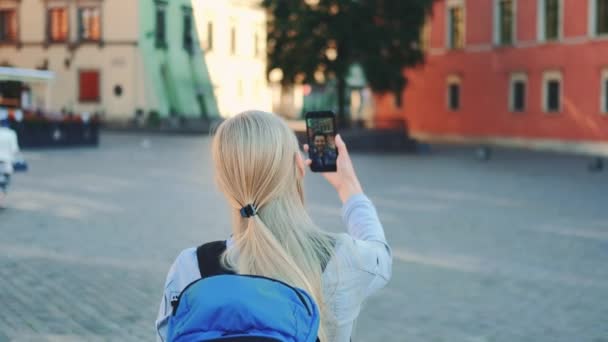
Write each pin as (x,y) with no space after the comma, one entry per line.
(321,134)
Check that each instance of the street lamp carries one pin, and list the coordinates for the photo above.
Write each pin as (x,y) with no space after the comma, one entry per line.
(331,53)
(276,75)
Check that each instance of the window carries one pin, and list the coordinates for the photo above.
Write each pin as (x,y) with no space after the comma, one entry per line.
(57,24)
(552,91)
(8,25)
(161,34)
(550,19)
(599,17)
(454,96)
(456,27)
(453,93)
(606,95)
(209,36)
(88,86)
(604,90)
(517,96)
(504,31)
(233,40)
(187,38)
(89,24)
(553,95)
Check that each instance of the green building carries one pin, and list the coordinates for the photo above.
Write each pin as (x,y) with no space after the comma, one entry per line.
(178,78)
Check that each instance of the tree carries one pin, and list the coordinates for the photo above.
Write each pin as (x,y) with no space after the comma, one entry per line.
(327,36)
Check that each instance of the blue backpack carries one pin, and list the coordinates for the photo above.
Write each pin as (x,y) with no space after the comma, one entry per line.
(223,306)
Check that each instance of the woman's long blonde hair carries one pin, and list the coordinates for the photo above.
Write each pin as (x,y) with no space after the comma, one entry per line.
(255,163)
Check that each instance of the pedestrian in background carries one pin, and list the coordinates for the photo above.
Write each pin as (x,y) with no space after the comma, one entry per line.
(9,150)
(260,170)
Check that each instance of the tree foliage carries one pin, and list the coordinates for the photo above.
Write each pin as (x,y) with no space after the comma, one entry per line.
(381,35)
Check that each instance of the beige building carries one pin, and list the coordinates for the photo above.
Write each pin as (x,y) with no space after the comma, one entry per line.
(117,57)
(233,37)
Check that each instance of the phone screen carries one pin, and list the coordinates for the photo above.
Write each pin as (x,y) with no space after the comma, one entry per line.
(321,132)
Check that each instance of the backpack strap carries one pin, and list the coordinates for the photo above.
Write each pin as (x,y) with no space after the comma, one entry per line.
(208,257)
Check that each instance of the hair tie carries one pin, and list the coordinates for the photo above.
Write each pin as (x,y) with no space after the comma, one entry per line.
(249,210)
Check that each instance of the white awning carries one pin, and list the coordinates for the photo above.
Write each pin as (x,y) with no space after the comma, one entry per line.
(25,75)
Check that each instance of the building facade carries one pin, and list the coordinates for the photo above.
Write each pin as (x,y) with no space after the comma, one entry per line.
(120,58)
(519,70)
(233,36)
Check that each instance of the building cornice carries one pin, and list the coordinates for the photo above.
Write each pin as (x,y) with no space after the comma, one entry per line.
(472,48)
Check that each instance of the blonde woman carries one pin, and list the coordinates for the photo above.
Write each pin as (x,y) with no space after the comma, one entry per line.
(257,162)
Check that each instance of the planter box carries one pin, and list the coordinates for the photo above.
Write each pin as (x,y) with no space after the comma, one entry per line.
(47,133)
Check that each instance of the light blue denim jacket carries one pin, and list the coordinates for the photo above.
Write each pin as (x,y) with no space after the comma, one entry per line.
(361,265)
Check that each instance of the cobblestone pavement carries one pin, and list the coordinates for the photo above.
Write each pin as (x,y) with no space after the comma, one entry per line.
(515,249)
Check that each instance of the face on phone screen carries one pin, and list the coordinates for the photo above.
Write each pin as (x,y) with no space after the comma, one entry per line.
(322,146)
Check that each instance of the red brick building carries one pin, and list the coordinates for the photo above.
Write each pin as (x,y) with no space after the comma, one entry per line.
(505,69)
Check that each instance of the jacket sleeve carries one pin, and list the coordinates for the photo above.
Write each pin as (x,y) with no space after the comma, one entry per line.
(183,271)
(374,255)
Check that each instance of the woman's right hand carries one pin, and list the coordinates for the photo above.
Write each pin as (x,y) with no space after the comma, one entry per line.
(344,180)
